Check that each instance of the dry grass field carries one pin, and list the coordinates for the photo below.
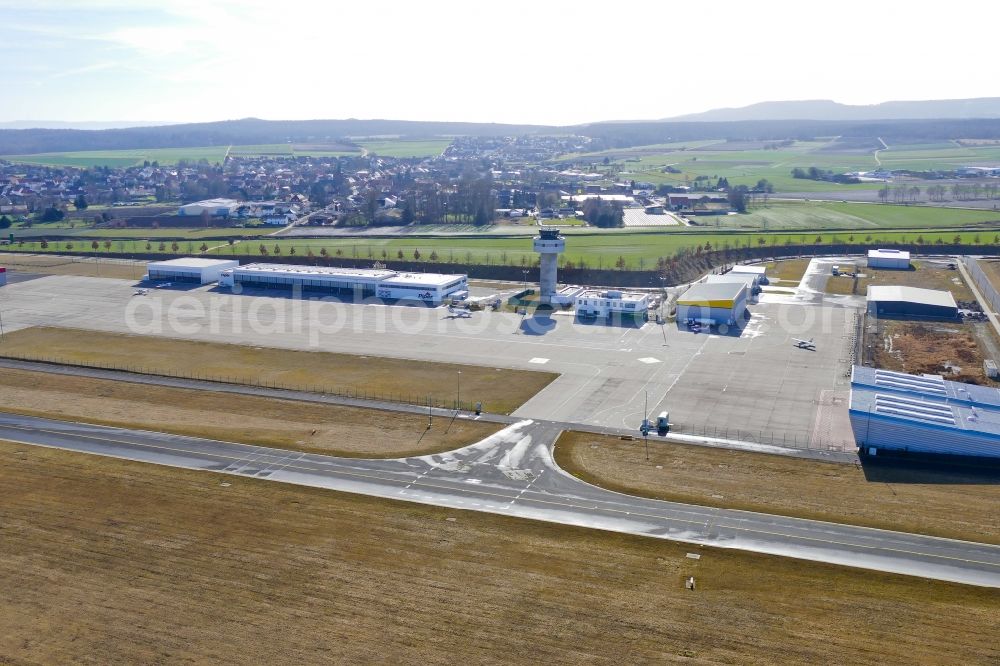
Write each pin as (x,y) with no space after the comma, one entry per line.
(65,265)
(925,276)
(788,271)
(959,504)
(500,390)
(325,429)
(111,562)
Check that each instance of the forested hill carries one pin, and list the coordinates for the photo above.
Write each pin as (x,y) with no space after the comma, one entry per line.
(824,109)
(252,131)
(249,131)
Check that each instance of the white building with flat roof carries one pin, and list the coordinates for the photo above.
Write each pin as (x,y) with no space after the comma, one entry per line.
(214,207)
(759,272)
(605,303)
(748,279)
(899,259)
(431,288)
(189,269)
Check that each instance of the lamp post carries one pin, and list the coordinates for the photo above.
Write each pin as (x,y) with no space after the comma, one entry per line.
(458,392)
(524,271)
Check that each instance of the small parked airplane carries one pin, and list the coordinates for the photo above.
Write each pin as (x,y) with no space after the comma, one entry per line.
(804,344)
(461,313)
(140,292)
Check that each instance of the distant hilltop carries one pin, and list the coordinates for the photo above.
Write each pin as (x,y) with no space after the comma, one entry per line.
(824,109)
(80,125)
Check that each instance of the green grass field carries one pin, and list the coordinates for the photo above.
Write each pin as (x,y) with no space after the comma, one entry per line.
(406,148)
(215,154)
(835,215)
(745,167)
(122,158)
(639,249)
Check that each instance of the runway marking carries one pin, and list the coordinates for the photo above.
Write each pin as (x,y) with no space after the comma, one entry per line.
(428,471)
(526,490)
(538,360)
(650,360)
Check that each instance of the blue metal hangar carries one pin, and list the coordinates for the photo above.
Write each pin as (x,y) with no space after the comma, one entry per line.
(907,302)
(923,414)
(430,288)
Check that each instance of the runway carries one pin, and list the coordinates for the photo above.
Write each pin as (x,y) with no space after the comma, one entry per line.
(513,473)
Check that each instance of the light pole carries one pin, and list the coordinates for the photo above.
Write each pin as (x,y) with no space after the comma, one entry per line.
(525,272)
(459,390)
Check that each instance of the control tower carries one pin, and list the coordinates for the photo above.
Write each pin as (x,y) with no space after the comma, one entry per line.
(550,245)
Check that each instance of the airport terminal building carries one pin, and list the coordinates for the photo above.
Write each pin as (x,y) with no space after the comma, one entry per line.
(606,303)
(923,414)
(189,269)
(431,288)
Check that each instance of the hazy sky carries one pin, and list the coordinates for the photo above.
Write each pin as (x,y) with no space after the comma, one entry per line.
(504,61)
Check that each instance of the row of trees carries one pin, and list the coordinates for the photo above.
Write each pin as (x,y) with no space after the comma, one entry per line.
(903,193)
(815,173)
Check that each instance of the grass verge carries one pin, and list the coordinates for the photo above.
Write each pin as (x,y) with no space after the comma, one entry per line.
(500,390)
(56,265)
(957,503)
(129,563)
(286,424)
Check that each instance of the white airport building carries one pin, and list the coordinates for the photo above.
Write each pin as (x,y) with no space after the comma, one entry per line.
(748,279)
(432,288)
(713,304)
(610,302)
(899,259)
(214,207)
(189,269)
(759,272)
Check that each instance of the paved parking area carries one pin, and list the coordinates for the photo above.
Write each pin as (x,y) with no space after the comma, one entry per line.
(756,385)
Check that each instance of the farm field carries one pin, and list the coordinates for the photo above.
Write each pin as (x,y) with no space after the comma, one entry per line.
(179,566)
(747,165)
(285,424)
(500,390)
(215,154)
(802,215)
(406,148)
(122,158)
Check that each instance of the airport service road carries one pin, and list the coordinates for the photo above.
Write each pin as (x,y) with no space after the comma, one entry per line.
(753,385)
(512,473)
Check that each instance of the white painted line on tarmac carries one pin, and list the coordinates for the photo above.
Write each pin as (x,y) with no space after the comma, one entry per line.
(650,360)
(540,361)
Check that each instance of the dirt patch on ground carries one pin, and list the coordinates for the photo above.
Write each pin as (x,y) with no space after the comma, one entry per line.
(111,561)
(500,390)
(326,429)
(955,503)
(57,265)
(920,348)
